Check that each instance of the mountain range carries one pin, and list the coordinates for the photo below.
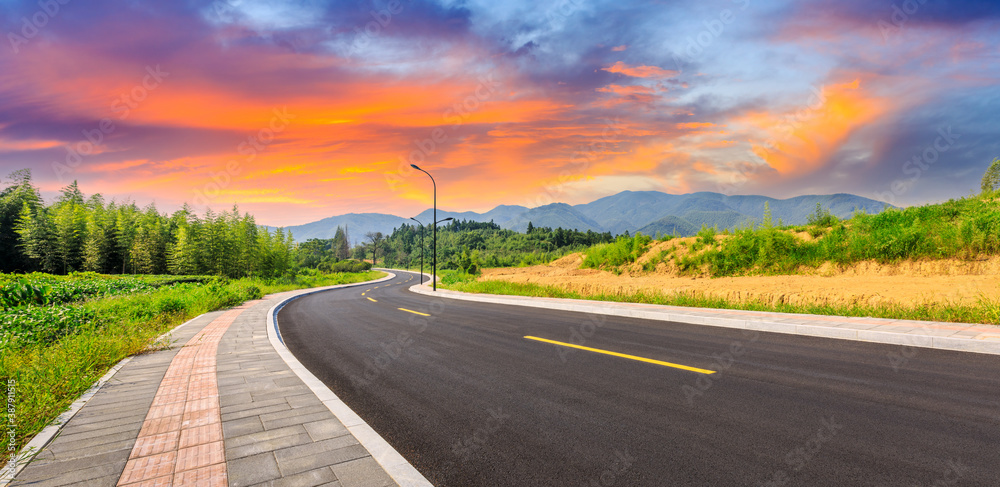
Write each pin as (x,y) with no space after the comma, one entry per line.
(648,212)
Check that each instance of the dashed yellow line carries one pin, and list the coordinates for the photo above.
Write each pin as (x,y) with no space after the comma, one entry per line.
(622,355)
(414,312)
(372,300)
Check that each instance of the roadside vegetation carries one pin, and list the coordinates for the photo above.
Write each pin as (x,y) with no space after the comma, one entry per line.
(987,311)
(966,228)
(59,334)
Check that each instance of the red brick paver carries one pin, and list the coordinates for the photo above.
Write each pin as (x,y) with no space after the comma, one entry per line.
(180,442)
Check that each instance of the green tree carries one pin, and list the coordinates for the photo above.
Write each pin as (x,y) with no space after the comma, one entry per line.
(12,201)
(341,244)
(37,237)
(991,179)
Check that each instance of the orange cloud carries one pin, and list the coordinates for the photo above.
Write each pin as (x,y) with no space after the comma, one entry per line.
(794,142)
(625,90)
(640,71)
(695,125)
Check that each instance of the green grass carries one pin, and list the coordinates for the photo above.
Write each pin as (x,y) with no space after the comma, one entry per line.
(987,311)
(624,250)
(50,375)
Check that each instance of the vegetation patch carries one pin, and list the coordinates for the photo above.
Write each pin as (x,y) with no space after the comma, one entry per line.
(56,346)
(966,228)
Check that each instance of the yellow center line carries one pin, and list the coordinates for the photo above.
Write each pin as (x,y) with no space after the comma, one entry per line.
(367,290)
(362,294)
(414,312)
(622,355)
(372,300)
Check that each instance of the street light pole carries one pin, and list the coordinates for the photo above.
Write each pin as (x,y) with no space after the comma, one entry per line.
(421,249)
(434,253)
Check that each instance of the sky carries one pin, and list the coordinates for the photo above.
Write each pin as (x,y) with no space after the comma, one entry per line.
(301,110)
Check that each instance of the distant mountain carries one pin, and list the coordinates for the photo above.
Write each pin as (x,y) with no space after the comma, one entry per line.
(499,215)
(556,215)
(646,211)
(630,210)
(670,225)
(357,224)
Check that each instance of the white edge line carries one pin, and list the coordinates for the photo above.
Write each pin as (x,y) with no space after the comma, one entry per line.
(401,471)
(42,439)
(648,312)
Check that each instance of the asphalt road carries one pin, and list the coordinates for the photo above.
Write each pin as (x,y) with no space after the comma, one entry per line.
(469,401)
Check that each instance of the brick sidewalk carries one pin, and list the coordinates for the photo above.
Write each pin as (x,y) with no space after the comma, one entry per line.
(221,409)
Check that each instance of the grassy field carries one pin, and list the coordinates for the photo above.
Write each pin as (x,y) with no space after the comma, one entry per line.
(988,311)
(60,334)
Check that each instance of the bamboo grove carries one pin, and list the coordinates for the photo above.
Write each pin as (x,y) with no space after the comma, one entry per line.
(78,233)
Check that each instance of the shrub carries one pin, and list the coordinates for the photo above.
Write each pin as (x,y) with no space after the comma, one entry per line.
(251,293)
(351,266)
(624,250)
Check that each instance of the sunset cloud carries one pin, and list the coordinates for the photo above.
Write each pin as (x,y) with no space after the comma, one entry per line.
(640,71)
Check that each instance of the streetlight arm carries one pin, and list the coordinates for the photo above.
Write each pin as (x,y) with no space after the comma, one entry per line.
(433,227)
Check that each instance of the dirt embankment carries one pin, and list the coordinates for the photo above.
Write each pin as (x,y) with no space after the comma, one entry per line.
(908,283)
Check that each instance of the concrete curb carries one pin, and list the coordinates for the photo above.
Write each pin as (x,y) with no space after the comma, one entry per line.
(401,471)
(44,437)
(794,324)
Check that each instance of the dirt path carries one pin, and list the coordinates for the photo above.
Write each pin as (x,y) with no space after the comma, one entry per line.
(909,283)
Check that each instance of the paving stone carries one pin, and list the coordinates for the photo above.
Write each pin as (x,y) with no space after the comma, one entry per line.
(314,447)
(313,478)
(242,427)
(255,411)
(264,435)
(248,405)
(363,472)
(252,470)
(325,429)
(270,445)
(332,458)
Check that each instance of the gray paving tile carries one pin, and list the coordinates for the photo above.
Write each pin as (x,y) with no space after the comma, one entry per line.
(325,429)
(251,404)
(333,458)
(313,478)
(289,420)
(314,448)
(363,472)
(268,445)
(264,435)
(252,470)
(283,406)
(242,427)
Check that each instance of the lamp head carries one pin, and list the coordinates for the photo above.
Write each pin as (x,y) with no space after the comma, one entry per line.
(414,166)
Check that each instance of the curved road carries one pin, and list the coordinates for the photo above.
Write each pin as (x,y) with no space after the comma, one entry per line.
(460,392)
